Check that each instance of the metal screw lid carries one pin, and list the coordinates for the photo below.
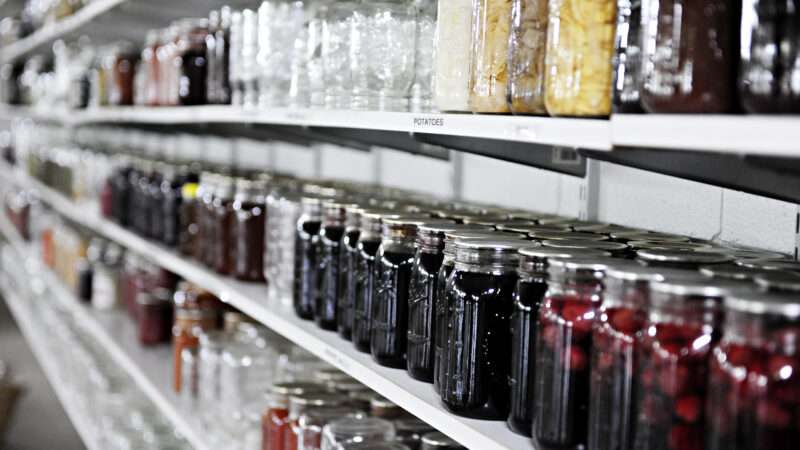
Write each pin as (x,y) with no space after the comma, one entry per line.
(571,235)
(666,245)
(778,281)
(299,403)
(372,221)
(759,302)
(682,257)
(296,388)
(438,441)
(536,259)
(743,253)
(766,264)
(651,236)
(335,212)
(498,253)
(690,287)
(523,227)
(584,267)
(731,272)
(613,247)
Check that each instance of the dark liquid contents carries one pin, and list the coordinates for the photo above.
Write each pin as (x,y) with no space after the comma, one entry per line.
(390,306)
(364,290)
(348,259)
(421,309)
(155,205)
(250,229)
(225,252)
(439,323)
(528,299)
(121,196)
(139,214)
(561,397)
(206,250)
(325,314)
(188,227)
(627,58)
(475,360)
(171,192)
(306,269)
(192,90)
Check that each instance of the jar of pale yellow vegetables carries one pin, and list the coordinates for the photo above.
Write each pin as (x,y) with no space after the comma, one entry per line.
(491,27)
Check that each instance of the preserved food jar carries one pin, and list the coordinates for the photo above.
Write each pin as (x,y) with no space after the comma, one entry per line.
(627,62)
(490,36)
(672,364)
(155,316)
(769,48)
(171,190)
(124,68)
(367,430)
(190,323)
(438,441)
(335,48)
(616,249)
(526,56)
(754,378)
(307,258)
(188,226)
(249,207)
(106,279)
(275,420)
(680,259)
(331,236)
(479,297)
(563,346)
(366,270)
(301,404)
(347,273)
(453,55)
(192,63)
(204,250)
(224,241)
(689,56)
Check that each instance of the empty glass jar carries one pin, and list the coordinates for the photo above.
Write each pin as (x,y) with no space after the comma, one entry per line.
(283,211)
(628,57)
(356,430)
(336,50)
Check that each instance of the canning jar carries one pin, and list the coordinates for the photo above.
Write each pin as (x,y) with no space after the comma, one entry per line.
(218,44)
(188,226)
(479,298)
(312,423)
(124,69)
(356,430)
(672,363)
(204,248)
(333,226)
(627,62)
(616,249)
(277,28)
(249,208)
(300,404)
(224,241)
(106,279)
(453,55)
(209,357)
(235,59)
(366,269)
(769,49)
(171,189)
(385,409)
(190,323)
(335,48)
(491,21)
(308,83)
(438,441)
(348,259)
(580,45)
(154,313)
(689,56)
(753,375)
(192,62)
(527,46)
(248,62)
(410,431)
(307,258)
(283,211)
(619,322)
(275,420)
(422,90)
(680,259)
(563,347)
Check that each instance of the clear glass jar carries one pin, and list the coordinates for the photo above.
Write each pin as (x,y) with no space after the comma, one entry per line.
(769,48)
(422,90)
(580,46)
(209,357)
(277,28)
(331,236)
(335,49)
(106,280)
(356,430)
(453,55)
(192,62)
(347,264)
(753,375)
(235,59)
(563,347)
(307,258)
(672,363)
(275,420)
(627,60)
(312,423)
(479,297)
(689,59)
(224,241)
(489,80)
(248,59)
(438,441)
(283,212)
(218,46)
(527,46)
(301,404)
(249,206)
(308,69)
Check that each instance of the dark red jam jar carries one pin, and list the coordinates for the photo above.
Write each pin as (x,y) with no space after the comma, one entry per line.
(365,280)
(480,301)
(563,349)
(672,364)
(307,258)
(249,209)
(681,259)
(348,260)
(224,236)
(331,237)
(192,62)
(155,316)
(754,386)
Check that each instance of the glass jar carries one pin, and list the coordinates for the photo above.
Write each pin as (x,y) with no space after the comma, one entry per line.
(356,430)
(248,63)
(171,190)
(335,48)
(385,409)
(218,44)
(331,236)
(672,363)
(619,322)
(155,317)
(689,56)
(769,48)
(283,211)
(124,69)
(235,59)
(563,347)
(106,280)
(300,404)
(753,374)
(490,38)
(275,420)
(479,297)
(453,55)
(680,259)
(151,70)
(627,62)
(422,90)
(132,282)
(580,46)
(616,249)
(366,270)
(209,357)
(277,28)
(154,198)
(409,432)
(527,46)
(307,258)
(192,62)
(438,441)
(249,208)
(223,238)
(308,89)
(190,323)
(347,273)
(312,423)
(188,226)
(121,194)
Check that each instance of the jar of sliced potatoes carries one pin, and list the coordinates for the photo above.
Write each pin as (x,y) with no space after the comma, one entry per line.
(491,26)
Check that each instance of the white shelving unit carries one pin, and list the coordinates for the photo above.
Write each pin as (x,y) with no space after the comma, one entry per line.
(255,301)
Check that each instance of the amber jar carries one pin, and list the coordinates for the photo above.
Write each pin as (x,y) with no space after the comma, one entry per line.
(347,271)
(527,46)
(307,258)
(490,37)
(275,419)
(192,63)
(690,56)
(190,323)
(249,206)
(155,316)
(123,74)
(331,237)
(223,217)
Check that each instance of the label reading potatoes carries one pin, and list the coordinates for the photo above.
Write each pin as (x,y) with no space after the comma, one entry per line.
(427,122)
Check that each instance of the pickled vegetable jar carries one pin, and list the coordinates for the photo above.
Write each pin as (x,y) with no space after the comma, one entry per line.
(453,55)
(491,23)
(526,56)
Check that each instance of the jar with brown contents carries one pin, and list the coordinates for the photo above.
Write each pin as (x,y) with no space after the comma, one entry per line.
(491,23)
(526,56)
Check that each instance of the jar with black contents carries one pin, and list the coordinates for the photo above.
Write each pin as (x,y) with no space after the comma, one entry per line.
(123,76)
(193,66)
(172,188)
(139,214)
(307,258)
(480,301)
(365,282)
(249,208)
(120,192)
(563,346)
(333,230)
(348,259)
(155,200)
(680,259)
(223,218)
(204,215)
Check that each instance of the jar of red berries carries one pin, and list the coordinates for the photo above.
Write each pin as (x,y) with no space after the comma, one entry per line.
(563,346)
(673,357)
(754,389)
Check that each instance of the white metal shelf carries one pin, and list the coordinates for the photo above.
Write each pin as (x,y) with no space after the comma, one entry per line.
(150,369)
(254,300)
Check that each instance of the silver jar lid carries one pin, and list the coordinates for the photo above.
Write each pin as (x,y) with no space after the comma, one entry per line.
(613,247)
(665,245)
(431,235)
(536,259)
(502,253)
(766,264)
(566,235)
(697,288)
(515,227)
(756,302)
(731,272)
(744,253)
(438,441)
(778,281)
(482,220)
(598,227)
(586,268)
(651,236)
(372,221)
(682,257)
(405,227)
(552,220)
(251,191)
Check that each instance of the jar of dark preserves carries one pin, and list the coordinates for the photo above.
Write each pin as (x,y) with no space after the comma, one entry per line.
(124,70)
(249,207)
(121,193)
(331,236)
(365,283)
(155,316)
(139,213)
(155,200)
(754,376)
(627,61)
(172,191)
(193,68)
(224,239)
(672,364)
(348,259)
(307,258)
(689,56)
(563,346)
(188,228)
(479,298)
(204,214)
(680,259)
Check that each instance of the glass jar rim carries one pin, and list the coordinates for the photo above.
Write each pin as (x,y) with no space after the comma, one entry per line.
(567,235)
(438,439)
(758,302)
(678,256)
(778,281)
(585,244)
